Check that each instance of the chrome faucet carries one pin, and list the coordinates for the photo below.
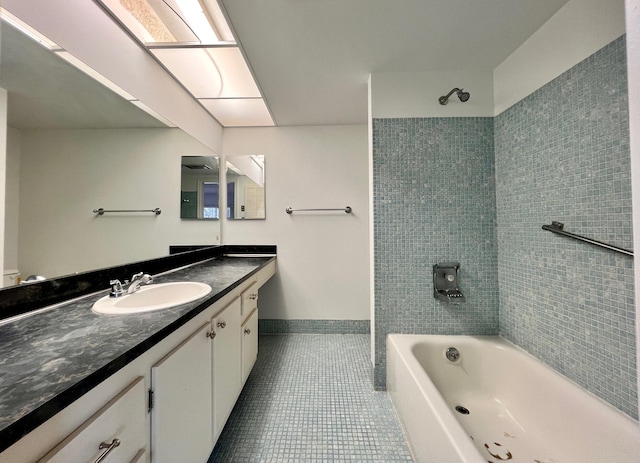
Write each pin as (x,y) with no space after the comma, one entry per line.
(137,280)
(117,288)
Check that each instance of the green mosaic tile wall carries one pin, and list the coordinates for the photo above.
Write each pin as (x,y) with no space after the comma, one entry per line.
(562,154)
(434,202)
(478,190)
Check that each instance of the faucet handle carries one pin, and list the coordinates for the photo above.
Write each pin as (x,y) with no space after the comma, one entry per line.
(143,278)
(116,288)
(137,280)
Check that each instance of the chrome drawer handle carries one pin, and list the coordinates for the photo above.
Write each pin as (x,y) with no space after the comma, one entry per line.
(211,334)
(222,324)
(253,297)
(247,331)
(108,448)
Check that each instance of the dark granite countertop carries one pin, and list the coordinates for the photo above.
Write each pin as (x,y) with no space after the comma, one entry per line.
(50,359)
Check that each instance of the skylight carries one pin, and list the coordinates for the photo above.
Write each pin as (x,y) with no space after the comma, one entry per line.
(169,21)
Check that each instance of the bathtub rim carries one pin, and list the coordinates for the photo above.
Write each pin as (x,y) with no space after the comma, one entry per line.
(500,340)
(404,345)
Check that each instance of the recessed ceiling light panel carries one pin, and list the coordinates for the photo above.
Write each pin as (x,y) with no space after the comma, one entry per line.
(210,72)
(240,112)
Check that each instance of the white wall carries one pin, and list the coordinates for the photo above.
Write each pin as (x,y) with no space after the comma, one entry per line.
(578,30)
(12,199)
(66,174)
(323,259)
(415,94)
(633,66)
(3,164)
(575,32)
(372,256)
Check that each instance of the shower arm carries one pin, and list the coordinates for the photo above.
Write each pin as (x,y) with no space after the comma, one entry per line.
(455,90)
(444,99)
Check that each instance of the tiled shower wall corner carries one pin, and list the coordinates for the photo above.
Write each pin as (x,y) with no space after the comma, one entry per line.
(563,154)
(434,201)
(560,154)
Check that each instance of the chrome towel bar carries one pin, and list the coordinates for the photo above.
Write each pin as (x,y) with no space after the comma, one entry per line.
(291,210)
(101,211)
(558,227)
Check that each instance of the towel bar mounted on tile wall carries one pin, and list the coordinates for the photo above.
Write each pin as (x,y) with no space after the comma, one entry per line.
(101,211)
(558,227)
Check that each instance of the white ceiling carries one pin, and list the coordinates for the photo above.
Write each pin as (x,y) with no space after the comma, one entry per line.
(312,58)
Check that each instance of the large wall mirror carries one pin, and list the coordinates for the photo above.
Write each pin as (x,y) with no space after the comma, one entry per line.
(246,187)
(200,187)
(74,146)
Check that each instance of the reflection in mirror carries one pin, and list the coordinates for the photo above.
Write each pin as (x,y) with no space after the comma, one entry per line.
(200,187)
(74,146)
(245,187)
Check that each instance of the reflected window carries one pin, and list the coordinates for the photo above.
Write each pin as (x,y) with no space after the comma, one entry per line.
(231,199)
(210,194)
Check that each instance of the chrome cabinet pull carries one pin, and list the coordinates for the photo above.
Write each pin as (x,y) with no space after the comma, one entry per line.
(211,334)
(108,448)
(253,297)
(222,324)
(247,331)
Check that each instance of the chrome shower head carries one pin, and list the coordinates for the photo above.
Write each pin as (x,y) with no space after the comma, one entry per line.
(463,96)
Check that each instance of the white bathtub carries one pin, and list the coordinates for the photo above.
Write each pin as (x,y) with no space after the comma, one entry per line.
(519,409)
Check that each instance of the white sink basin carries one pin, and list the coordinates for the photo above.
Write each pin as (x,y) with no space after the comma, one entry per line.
(152,297)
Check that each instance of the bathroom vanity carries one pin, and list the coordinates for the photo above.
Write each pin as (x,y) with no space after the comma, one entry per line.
(143,387)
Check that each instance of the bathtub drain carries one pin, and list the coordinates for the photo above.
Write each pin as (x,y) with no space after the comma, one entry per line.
(462,410)
(452,354)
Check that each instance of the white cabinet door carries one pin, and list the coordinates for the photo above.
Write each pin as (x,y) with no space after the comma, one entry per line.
(181,417)
(227,358)
(249,344)
(118,429)
(249,300)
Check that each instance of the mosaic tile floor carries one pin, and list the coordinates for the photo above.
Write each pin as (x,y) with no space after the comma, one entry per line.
(310,399)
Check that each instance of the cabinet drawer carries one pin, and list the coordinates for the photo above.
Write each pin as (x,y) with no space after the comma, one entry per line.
(249,344)
(122,418)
